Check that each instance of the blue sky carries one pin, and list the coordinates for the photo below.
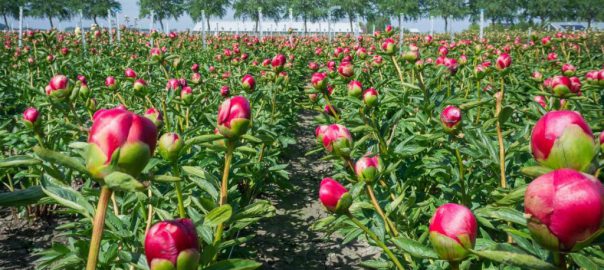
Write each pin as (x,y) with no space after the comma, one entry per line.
(130,9)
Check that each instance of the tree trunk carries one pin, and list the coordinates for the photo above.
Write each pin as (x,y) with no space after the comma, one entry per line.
(5,20)
(400,21)
(350,20)
(51,24)
(588,22)
(208,22)
(161,24)
(256,27)
(94,19)
(446,24)
(305,29)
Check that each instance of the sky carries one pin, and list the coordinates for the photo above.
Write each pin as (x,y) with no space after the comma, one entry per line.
(131,10)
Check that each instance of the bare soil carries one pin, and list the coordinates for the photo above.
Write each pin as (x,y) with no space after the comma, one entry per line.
(20,238)
(286,241)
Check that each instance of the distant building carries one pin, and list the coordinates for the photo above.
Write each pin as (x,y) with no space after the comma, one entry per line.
(278,27)
(573,26)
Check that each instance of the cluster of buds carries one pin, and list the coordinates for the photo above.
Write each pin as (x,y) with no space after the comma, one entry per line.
(563,86)
(595,77)
(58,87)
(335,139)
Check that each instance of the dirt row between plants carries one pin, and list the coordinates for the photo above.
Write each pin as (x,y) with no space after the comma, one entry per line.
(286,241)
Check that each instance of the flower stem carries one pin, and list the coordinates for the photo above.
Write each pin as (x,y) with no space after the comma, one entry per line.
(97,228)
(181,206)
(498,108)
(398,69)
(560,260)
(464,195)
(389,226)
(224,189)
(377,241)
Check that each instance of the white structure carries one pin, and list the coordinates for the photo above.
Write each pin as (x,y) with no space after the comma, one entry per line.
(573,26)
(279,27)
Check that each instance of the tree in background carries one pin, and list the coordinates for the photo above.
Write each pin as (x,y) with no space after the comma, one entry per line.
(216,8)
(248,9)
(309,10)
(93,9)
(447,9)
(497,11)
(164,9)
(10,9)
(352,9)
(49,9)
(394,8)
(588,10)
(544,10)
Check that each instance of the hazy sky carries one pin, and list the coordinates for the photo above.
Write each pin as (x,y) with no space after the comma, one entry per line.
(130,9)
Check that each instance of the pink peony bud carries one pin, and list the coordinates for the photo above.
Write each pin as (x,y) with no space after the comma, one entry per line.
(225,91)
(110,83)
(568,70)
(370,97)
(334,196)
(388,46)
(195,68)
(172,244)
(234,117)
(173,84)
(319,81)
(562,139)
(186,95)
(453,230)
(169,146)
(336,139)
(368,168)
(57,87)
(139,85)
(278,62)
(30,117)
(450,118)
(503,62)
(155,116)
(561,86)
(346,69)
(248,83)
(135,137)
(564,207)
(129,73)
(541,101)
(355,89)
(537,76)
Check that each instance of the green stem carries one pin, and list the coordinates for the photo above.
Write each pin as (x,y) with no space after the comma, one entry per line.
(97,228)
(224,189)
(389,226)
(462,180)
(377,241)
(398,69)
(181,206)
(331,108)
(560,260)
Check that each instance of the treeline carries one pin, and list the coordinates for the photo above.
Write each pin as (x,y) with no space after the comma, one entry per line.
(496,11)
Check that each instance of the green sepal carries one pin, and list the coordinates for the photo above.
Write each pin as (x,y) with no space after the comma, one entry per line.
(574,149)
(161,264)
(449,249)
(238,127)
(187,260)
(542,235)
(343,204)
